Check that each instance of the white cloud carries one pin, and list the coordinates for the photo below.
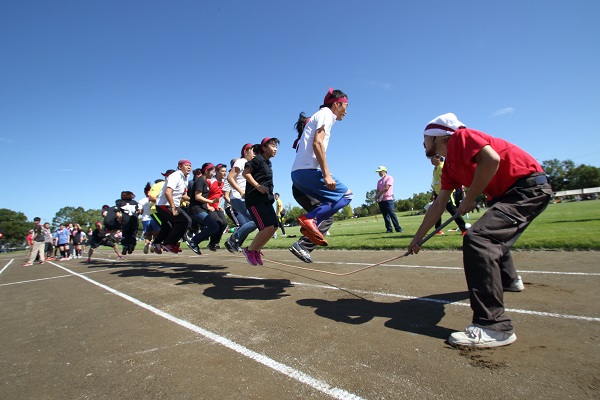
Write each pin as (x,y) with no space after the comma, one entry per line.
(502,111)
(378,85)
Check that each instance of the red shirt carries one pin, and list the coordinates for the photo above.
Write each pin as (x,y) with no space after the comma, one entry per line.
(459,167)
(215,191)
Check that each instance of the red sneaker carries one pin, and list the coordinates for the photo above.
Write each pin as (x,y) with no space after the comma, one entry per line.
(310,226)
(314,239)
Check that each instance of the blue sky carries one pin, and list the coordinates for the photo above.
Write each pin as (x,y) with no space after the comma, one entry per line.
(97,97)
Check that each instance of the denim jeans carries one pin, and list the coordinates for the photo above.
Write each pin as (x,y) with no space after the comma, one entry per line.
(247,224)
(209,226)
(389,217)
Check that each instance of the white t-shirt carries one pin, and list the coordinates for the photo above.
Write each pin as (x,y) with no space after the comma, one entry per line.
(239,179)
(305,154)
(176,181)
(144,205)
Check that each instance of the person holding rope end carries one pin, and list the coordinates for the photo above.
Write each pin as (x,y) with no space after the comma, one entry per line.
(518,191)
(310,171)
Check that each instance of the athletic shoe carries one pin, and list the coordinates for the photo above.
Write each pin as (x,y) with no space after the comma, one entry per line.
(217,246)
(194,247)
(170,248)
(146,248)
(88,261)
(475,336)
(231,245)
(212,247)
(299,251)
(516,286)
(41,262)
(50,259)
(464,232)
(64,259)
(157,248)
(274,236)
(121,257)
(176,245)
(258,256)
(310,226)
(250,256)
(27,264)
(439,233)
(400,230)
(318,241)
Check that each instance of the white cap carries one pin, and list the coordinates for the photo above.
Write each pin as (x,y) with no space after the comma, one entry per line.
(444,125)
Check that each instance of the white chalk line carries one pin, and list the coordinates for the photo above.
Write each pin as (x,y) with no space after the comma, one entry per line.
(55,277)
(295,374)
(439,301)
(6,266)
(447,268)
(406,297)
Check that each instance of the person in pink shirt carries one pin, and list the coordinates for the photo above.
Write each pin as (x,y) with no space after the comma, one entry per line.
(385,200)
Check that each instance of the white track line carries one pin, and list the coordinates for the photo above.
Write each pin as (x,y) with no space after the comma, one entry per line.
(439,301)
(55,277)
(295,374)
(6,266)
(448,268)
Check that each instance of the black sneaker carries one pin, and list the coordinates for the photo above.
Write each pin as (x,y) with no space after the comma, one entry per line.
(301,253)
(194,247)
(212,247)
(231,245)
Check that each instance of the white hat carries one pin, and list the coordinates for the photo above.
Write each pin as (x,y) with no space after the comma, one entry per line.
(444,125)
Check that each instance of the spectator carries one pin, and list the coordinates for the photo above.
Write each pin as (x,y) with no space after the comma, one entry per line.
(280,212)
(37,243)
(385,200)
(61,241)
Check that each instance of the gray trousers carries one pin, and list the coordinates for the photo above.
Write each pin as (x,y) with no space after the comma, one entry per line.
(487,260)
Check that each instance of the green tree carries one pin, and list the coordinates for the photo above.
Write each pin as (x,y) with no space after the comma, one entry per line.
(77,215)
(14,226)
(583,176)
(558,173)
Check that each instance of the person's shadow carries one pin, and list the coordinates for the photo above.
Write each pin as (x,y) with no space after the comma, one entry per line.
(421,315)
(221,286)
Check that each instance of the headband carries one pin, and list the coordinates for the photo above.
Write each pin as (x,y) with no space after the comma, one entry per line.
(207,167)
(184,161)
(329,99)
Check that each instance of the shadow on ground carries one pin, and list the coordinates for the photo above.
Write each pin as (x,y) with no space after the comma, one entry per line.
(222,286)
(421,315)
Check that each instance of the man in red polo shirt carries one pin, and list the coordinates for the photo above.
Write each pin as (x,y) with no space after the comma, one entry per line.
(518,191)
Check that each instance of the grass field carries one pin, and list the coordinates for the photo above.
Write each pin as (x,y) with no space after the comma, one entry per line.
(563,226)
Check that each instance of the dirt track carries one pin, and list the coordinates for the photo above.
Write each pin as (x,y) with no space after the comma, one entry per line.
(211,326)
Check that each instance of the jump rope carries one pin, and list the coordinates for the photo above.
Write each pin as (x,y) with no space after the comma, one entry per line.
(452,218)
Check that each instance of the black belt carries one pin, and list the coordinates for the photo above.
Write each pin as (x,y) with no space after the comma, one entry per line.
(531,181)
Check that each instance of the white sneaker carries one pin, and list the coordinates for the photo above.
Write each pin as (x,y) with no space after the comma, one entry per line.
(475,336)
(516,286)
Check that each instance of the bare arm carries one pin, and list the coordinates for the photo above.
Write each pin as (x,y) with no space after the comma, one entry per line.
(319,150)
(487,161)
(233,173)
(431,217)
